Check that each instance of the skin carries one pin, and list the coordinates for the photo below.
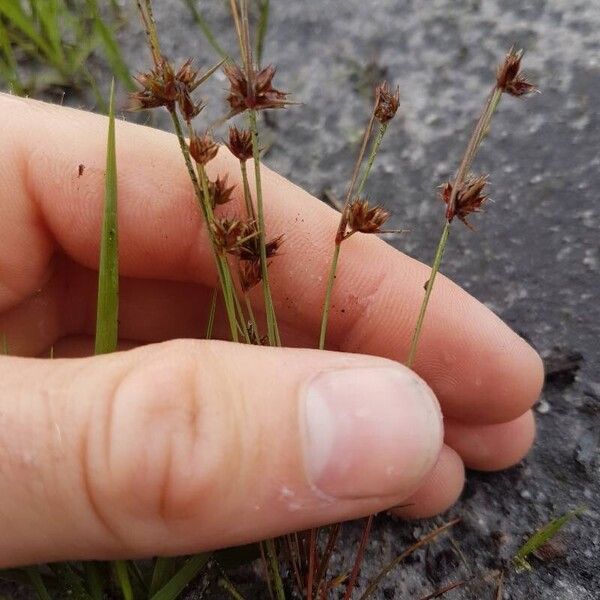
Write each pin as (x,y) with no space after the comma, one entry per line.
(177,446)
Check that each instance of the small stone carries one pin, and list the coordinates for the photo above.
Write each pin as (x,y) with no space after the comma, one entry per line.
(543,407)
(526,495)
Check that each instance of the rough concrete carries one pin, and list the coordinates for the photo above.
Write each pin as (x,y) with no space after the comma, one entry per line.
(534,260)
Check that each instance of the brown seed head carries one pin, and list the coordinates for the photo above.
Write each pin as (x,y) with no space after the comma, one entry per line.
(249,273)
(469,198)
(388,102)
(230,233)
(240,143)
(258,94)
(364,218)
(509,78)
(203,148)
(250,248)
(162,86)
(219,192)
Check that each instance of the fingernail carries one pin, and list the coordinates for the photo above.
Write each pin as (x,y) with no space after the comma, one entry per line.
(369,431)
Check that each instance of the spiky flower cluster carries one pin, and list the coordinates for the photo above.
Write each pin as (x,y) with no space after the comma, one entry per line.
(241,238)
(469,197)
(362,218)
(220,193)
(255,92)
(509,78)
(388,102)
(240,143)
(203,148)
(163,86)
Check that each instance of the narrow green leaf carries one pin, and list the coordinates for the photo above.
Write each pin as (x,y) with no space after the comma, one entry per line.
(70,581)
(206,29)
(262,28)
(22,21)
(122,574)
(180,580)
(111,47)
(541,537)
(164,569)
(108,272)
(38,583)
(94,580)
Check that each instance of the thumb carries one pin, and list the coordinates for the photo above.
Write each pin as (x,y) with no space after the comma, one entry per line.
(191,445)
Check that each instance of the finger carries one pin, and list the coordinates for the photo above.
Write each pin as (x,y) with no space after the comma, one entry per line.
(492,447)
(187,446)
(439,491)
(480,369)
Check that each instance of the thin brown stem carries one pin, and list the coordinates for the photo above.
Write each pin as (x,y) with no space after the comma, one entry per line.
(360,554)
(394,563)
(445,589)
(334,533)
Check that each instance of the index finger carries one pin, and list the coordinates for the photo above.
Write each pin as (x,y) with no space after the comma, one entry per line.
(480,370)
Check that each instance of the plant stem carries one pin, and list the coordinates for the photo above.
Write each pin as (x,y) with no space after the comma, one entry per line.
(328,292)
(394,563)
(211,314)
(203,198)
(374,149)
(437,261)
(274,568)
(360,553)
(247,194)
(272,328)
(479,133)
(343,219)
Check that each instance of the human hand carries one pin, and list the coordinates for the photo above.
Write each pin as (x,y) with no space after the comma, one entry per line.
(181,446)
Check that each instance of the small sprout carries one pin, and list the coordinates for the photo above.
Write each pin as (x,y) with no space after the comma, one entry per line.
(388,102)
(364,218)
(240,143)
(541,537)
(256,94)
(469,198)
(203,148)
(509,79)
(219,192)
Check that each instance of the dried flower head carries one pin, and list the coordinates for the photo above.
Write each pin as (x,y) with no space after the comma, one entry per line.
(240,143)
(469,198)
(219,192)
(364,218)
(249,249)
(509,78)
(230,234)
(388,102)
(256,94)
(249,273)
(203,148)
(162,86)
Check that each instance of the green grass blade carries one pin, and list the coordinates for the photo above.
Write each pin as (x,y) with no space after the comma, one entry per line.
(262,28)
(38,583)
(180,580)
(8,63)
(541,537)
(18,18)
(122,575)
(108,272)
(164,569)
(94,580)
(111,47)
(70,581)
(205,29)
